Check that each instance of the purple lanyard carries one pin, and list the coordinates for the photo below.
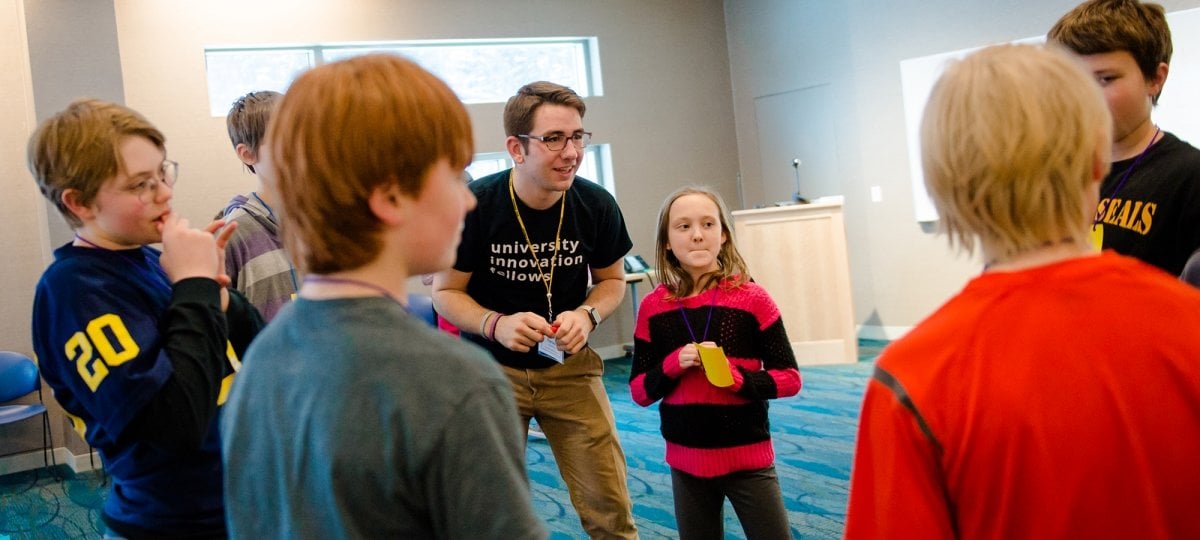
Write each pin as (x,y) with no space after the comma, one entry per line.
(348,281)
(711,305)
(157,270)
(1129,172)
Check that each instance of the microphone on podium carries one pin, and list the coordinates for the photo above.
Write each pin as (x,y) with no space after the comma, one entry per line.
(797,197)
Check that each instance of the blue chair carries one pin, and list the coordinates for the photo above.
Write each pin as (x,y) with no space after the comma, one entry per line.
(18,378)
(421,307)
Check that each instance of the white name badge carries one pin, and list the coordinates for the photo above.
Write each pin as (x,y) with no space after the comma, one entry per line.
(549,348)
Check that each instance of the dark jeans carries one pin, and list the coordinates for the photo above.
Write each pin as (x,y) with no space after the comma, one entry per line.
(756,498)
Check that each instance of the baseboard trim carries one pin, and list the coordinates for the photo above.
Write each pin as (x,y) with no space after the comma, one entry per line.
(28,461)
(80,463)
(884,333)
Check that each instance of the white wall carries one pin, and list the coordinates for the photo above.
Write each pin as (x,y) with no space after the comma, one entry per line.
(24,233)
(900,272)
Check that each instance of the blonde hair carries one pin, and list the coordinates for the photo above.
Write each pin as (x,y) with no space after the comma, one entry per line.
(731,269)
(345,129)
(80,148)
(1009,142)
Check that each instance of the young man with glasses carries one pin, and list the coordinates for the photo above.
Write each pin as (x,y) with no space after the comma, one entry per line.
(139,346)
(520,288)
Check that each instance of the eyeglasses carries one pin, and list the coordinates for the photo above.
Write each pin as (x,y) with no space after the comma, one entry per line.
(146,189)
(557,141)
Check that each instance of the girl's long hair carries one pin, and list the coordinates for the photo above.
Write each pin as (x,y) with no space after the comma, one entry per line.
(731,270)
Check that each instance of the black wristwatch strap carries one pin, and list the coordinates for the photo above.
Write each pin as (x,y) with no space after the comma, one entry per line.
(592,314)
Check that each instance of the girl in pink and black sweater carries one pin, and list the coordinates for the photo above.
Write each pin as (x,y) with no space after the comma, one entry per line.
(718,439)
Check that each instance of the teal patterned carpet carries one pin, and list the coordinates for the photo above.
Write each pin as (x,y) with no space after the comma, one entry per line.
(813,433)
(47,504)
(814,441)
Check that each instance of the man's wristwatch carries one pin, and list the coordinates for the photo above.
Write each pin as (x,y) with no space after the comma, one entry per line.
(592,314)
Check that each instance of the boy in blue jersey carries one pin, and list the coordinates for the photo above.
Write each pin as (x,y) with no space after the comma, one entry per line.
(354,418)
(139,346)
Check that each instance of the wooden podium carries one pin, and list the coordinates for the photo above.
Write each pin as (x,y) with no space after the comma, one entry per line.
(798,254)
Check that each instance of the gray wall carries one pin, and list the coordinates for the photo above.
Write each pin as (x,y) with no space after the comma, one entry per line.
(667,108)
(72,53)
(900,272)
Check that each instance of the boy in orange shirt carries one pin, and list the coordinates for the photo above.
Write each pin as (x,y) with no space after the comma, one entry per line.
(1055,395)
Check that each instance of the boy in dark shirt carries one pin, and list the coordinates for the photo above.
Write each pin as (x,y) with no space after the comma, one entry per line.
(1150,201)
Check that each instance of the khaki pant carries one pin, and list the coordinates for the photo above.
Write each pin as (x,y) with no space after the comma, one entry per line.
(572,408)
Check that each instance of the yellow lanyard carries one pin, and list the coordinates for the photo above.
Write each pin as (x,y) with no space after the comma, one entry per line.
(547,281)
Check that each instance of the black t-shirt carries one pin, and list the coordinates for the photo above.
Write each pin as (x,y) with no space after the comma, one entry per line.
(504,276)
(1155,216)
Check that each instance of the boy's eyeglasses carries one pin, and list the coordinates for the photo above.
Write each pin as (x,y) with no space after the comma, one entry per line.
(557,141)
(145,190)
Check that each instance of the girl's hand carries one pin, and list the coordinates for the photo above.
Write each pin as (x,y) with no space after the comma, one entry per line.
(689,357)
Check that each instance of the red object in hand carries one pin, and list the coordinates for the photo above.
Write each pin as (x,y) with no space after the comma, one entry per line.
(554,329)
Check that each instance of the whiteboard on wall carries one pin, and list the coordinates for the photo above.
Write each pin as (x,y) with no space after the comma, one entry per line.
(1177,111)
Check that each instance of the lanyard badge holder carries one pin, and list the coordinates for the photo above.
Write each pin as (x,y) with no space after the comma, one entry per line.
(548,347)
(712,358)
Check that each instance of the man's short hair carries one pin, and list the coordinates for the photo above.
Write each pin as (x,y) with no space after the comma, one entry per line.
(80,148)
(345,129)
(1103,26)
(1009,142)
(247,119)
(520,109)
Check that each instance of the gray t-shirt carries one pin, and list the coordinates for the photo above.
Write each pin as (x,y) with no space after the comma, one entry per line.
(352,419)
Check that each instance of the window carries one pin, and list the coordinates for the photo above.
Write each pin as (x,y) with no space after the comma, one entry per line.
(489,72)
(479,71)
(488,163)
(234,73)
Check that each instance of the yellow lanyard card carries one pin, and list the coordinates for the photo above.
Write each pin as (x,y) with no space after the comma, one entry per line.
(1097,237)
(716,365)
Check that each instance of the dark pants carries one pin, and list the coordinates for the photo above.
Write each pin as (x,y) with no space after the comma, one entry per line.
(755,495)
